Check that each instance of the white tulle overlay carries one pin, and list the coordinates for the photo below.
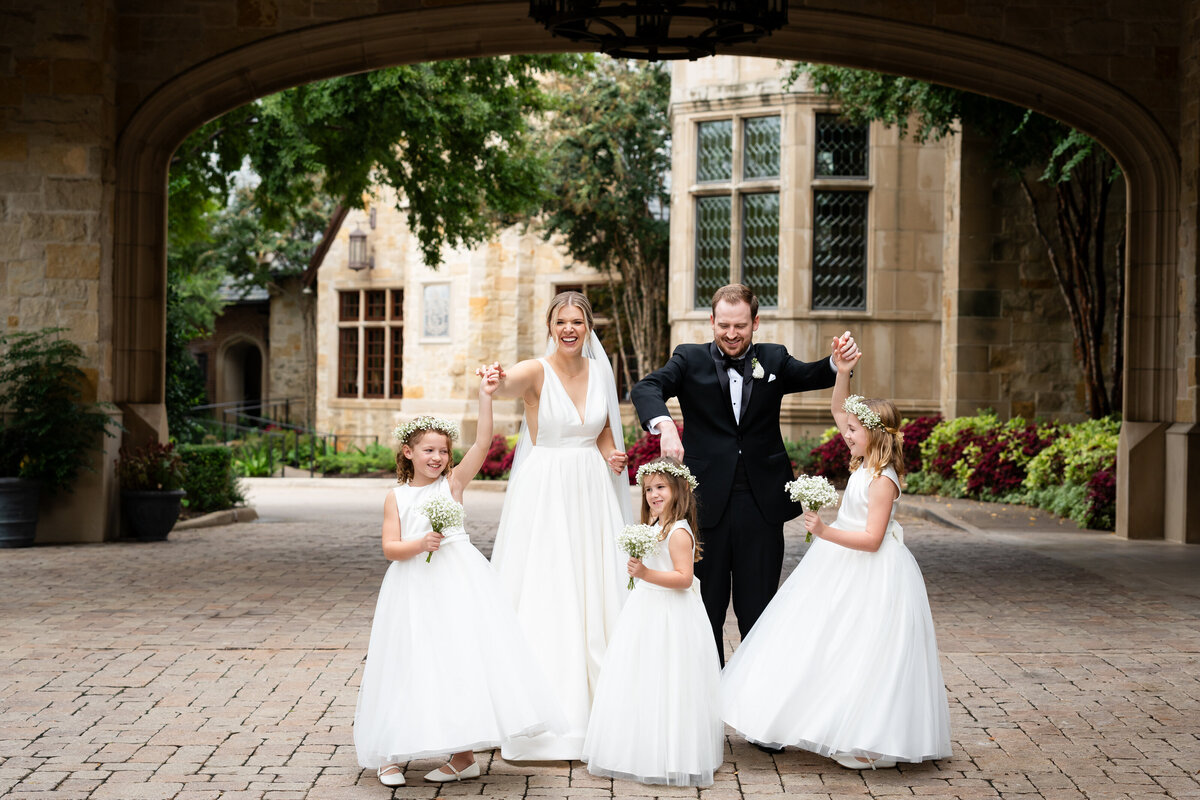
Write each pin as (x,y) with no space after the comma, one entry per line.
(448,668)
(556,554)
(656,718)
(844,659)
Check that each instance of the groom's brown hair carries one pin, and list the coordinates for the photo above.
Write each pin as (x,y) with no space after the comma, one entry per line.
(735,293)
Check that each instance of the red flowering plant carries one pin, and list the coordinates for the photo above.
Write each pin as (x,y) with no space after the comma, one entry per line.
(831,458)
(498,461)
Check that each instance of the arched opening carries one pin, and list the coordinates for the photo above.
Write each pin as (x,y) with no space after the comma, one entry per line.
(240,379)
(1115,118)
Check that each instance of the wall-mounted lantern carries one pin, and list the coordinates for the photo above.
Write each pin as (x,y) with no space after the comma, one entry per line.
(358,250)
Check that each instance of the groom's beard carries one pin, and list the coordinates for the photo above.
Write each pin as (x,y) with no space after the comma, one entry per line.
(724,347)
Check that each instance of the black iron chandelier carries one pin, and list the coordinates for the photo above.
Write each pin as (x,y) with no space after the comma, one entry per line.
(660,30)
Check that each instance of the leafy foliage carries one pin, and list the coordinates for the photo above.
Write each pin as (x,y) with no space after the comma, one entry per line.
(1085,256)
(47,430)
(210,482)
(1066,469)
(453,138)
(151,467)
(607,196)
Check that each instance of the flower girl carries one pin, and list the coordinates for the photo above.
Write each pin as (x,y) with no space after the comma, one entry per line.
(655,717)
(844,660)
(447,670)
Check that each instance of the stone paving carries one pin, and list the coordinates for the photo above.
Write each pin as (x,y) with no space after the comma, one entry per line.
(224,664)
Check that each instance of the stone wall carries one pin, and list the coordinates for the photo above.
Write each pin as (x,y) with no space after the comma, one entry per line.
(498,293)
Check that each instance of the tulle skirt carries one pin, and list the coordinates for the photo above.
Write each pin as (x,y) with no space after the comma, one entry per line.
(843,660)
(655,718)
(448,668)
(556,555)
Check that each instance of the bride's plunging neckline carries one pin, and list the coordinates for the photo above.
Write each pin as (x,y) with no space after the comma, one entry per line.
(586,392)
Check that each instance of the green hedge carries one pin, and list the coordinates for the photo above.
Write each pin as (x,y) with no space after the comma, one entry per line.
(211,483)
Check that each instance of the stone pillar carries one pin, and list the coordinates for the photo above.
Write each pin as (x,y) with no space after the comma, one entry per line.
(1182,449)
(57,139)
(971,285)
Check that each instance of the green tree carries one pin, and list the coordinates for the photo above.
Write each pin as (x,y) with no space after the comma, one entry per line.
(608,199)
(453,138)
(1072,225)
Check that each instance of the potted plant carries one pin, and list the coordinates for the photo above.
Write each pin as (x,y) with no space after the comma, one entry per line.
(152,478)
(48,432)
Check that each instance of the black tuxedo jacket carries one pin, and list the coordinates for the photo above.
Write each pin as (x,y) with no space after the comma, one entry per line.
(711,436)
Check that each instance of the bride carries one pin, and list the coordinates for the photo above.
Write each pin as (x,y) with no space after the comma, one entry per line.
(567,500)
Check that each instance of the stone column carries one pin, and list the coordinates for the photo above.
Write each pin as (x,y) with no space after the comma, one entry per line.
(1181,521)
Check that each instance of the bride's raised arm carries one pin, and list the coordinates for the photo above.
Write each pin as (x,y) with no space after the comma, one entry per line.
(523,379)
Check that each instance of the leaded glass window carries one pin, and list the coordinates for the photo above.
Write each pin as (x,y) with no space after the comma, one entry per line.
(841,148)
(760,154)
(348,362)
(760,245)
(737,231)
(712,245)
(714,151)
(839,250)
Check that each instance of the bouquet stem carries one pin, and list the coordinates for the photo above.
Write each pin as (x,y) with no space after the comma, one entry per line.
(631,582)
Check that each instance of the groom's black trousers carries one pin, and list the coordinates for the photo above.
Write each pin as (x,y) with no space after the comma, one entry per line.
(743,553)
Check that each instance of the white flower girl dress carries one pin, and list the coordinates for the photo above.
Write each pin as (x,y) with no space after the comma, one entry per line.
(448,668)
(844,660)
(655,718)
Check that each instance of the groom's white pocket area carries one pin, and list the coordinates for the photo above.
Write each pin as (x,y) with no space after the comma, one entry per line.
(771,377)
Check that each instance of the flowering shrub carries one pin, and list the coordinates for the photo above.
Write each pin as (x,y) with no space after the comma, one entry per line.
(1066,469)
(831,459)
(499,458)
(915,432)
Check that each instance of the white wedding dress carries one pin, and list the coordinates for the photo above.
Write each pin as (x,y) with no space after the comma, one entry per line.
(447,666)
(844,659)
(656,717)
(556,553)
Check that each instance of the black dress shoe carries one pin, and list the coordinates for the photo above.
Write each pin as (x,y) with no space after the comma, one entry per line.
(765,749)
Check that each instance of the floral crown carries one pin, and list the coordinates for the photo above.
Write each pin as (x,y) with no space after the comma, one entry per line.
(425,423)
(855,405)
(678,470)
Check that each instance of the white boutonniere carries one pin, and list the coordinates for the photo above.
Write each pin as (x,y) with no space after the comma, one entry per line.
(756,370)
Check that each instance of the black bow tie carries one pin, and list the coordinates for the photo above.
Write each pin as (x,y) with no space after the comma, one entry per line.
(736,364)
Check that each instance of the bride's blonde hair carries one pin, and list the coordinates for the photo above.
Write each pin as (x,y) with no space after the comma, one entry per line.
(569,298)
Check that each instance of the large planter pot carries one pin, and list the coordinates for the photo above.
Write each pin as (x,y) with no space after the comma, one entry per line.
(150,515)
(18,512)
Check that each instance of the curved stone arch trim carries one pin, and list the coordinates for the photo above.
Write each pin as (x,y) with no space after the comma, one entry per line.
(222,353)
(241,75)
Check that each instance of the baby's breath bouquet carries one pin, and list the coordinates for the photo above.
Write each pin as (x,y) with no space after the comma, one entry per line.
(443,512)
(639,541)
(812,492)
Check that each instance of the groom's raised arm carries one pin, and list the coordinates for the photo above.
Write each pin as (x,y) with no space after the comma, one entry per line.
(803,376)
(651,393)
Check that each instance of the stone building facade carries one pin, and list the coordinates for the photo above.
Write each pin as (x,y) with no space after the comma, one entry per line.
(396,338)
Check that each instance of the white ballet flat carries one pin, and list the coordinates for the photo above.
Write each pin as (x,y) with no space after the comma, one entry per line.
(437,776)
(852,762)
(390,778)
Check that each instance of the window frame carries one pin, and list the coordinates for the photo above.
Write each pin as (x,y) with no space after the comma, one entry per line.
(735,188)
(371,369)
(856,184)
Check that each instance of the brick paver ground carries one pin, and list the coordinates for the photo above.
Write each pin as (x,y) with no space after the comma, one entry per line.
(224,663)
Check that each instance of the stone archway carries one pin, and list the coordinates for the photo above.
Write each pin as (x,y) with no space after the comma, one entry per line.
(241,375)
(1129,130)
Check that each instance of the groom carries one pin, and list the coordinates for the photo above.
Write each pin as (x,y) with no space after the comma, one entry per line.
(730,391)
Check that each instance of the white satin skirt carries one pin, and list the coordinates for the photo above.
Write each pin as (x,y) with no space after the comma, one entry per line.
(843,660)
